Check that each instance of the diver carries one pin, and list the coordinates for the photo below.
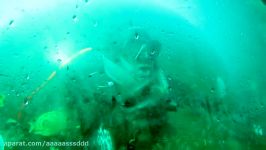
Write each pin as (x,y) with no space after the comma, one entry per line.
(133,108)
(145,100)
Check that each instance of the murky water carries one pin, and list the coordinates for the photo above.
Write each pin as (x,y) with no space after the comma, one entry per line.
(132,74)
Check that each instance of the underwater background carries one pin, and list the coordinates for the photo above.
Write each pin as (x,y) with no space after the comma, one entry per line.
(133,74)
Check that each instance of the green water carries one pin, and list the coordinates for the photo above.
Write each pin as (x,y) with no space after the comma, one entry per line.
(132,74)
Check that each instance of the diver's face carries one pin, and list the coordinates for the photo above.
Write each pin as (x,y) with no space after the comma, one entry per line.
(150,51)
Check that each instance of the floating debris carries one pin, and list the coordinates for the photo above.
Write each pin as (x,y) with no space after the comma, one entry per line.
(75,18)
(92,74)
(11,22)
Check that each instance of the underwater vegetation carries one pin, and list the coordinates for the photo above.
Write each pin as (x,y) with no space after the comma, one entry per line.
(50,123)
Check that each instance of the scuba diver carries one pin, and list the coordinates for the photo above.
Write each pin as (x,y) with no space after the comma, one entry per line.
(142,97)
(130,112)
